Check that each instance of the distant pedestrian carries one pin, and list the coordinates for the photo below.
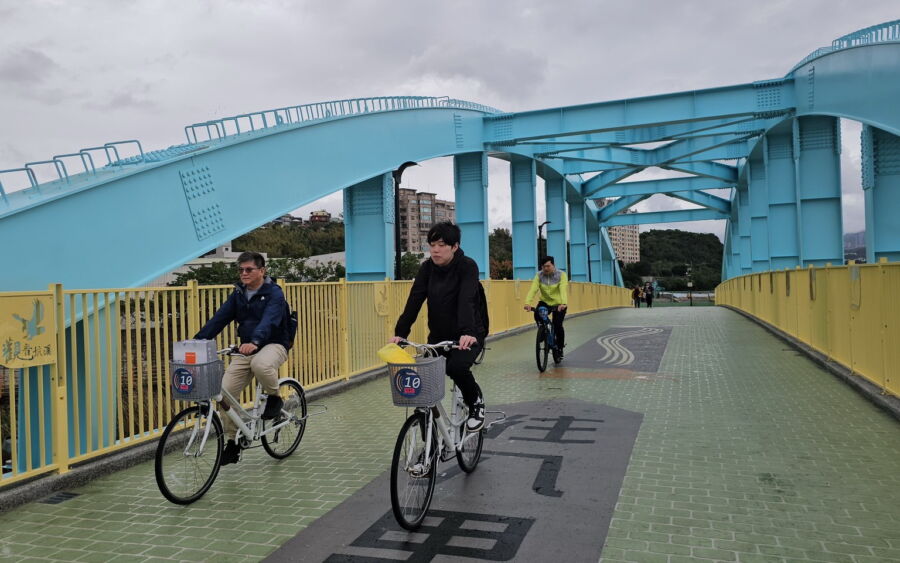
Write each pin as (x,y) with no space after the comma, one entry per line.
(636,295)
(648,294)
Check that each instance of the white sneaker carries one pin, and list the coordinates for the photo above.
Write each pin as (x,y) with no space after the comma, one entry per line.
(475,422)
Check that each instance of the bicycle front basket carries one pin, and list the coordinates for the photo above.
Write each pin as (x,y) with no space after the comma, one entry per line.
(196,382)
(418,385)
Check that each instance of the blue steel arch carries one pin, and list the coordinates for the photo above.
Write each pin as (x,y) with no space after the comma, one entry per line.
(256,166)
(155,216)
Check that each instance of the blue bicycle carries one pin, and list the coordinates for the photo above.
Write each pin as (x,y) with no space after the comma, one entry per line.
(546,341)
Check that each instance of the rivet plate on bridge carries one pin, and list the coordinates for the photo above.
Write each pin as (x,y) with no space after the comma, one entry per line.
(200,193)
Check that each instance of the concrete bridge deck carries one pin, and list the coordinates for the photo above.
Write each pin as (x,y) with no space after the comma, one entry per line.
(745,451)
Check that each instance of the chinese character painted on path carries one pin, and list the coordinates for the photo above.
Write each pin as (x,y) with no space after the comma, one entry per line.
(445,533)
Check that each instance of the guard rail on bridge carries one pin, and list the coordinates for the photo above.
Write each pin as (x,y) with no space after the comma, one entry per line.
(86,388)
(847,313)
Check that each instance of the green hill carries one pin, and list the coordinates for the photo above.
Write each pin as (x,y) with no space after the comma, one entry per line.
(675,257)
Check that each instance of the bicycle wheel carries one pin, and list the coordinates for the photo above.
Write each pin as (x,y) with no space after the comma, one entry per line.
(469,452)
(541,348)
(186,466)
(283,442)
(412,475)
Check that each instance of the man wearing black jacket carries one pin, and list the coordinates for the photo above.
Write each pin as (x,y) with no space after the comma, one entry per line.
(456,311)
(259,307)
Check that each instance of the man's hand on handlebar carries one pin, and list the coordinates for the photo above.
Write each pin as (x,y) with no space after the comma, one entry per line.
(466,341)
(396,340)
(248,348)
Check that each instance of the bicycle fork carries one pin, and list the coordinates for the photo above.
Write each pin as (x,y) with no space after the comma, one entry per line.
(196,430)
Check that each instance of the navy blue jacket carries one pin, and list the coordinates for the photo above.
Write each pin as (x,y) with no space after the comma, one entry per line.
(262,320)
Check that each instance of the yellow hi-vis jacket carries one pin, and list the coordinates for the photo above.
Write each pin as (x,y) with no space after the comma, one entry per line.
(551,293)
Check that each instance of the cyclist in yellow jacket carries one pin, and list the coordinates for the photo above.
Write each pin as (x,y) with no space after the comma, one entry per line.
(553,286)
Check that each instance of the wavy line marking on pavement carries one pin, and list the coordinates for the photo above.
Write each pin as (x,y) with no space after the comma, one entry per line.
(616,353)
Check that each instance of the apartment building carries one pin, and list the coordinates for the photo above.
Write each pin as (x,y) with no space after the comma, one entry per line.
(319,217)
(418,212)
(625,238)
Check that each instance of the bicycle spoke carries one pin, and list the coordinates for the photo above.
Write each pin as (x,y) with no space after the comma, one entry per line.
(413,473)
(292,421)
(185,471)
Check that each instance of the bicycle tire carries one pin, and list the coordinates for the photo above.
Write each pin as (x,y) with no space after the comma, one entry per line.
(469,453)
(183,472)
(557,356)
(412,487)
(287,437)
(541,348)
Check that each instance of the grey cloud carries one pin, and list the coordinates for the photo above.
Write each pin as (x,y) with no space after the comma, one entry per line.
(508,71)
(26,67)
(136,94)
(128,100)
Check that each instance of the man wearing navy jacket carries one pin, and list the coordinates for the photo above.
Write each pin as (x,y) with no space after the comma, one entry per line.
(264,328)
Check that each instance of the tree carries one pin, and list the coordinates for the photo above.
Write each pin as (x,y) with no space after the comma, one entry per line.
(500,253)
(293,241)
(218,273)
(291,270)
(667,255)
(501,269)
(409,265)
(642,268)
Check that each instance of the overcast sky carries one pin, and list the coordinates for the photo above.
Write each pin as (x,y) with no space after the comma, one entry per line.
(78,74)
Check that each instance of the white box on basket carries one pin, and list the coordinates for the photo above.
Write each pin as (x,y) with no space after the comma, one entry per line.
(194,351)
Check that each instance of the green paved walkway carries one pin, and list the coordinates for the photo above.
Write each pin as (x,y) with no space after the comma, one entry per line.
(748,452)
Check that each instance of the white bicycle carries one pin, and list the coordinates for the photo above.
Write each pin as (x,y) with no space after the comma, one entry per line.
(189,453)
(429,435)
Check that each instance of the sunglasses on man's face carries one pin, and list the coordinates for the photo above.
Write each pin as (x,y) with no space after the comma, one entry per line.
(247,270)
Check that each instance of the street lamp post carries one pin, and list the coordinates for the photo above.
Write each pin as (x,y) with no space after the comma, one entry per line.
(690,283)
(590,280)
(540,236)
(396,175)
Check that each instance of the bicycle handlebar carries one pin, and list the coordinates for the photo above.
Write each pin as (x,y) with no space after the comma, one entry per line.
(233,350)
(445,344)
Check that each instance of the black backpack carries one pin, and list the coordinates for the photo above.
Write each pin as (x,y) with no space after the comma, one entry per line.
(483,310)
(292,322)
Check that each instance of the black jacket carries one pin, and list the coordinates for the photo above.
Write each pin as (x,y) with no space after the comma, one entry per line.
(262,320)
(455,297)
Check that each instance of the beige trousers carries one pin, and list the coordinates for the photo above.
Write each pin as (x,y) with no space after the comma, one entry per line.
(263,365)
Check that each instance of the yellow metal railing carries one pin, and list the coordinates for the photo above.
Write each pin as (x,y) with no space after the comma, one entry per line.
(106,386)
(848,313)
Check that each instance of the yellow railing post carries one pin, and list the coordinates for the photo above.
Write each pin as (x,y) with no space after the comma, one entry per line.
(59,407)
(193,290)
(344,322)
(283,371)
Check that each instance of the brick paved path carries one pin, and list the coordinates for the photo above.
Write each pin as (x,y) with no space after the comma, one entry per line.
(747,452)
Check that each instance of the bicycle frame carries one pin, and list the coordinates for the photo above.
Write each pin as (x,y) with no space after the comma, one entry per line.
(548,326)
(447,433)
(252,432)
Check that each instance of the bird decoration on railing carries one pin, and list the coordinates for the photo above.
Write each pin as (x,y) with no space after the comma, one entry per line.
(31,327)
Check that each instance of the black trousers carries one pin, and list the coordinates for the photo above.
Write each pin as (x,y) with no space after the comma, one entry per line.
(556,317)
(459,368)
